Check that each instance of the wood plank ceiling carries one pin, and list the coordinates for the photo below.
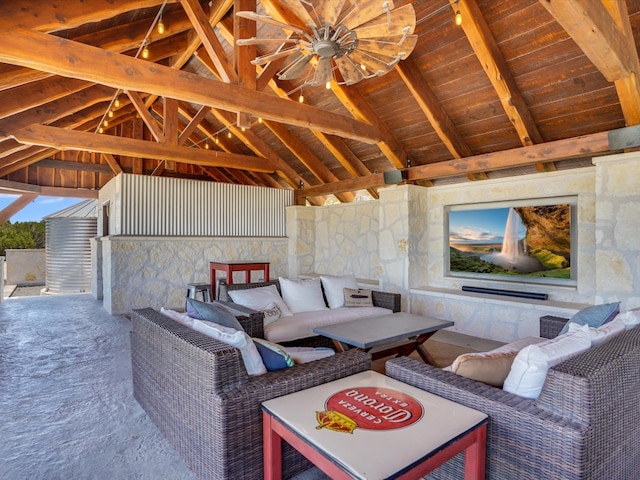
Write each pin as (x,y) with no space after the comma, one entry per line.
(519,87)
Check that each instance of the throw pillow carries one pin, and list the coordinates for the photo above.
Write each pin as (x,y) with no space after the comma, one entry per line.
(357,298)
(594,316)
(602,334)
(212,313)
(308,354)
(273,356)
(630,318)
(529,369)
(235,338)
(489,368)
(259,298)
(302,295)
(334,288)
(271,313)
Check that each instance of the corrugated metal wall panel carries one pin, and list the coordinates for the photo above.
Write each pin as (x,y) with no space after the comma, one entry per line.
(68,254)
(176,207)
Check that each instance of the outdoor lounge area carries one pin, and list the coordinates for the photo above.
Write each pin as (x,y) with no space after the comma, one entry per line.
(417,222)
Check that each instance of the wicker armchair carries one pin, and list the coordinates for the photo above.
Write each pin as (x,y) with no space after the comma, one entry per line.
(584,425)
(198,393)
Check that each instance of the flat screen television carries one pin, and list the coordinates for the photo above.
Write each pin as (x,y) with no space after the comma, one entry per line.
(524,241)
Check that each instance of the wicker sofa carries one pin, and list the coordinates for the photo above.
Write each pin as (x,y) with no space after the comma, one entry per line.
(382,300)
(584,425)
(198,393)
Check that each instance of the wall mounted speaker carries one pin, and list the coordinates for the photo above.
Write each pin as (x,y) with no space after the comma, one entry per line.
(394,176)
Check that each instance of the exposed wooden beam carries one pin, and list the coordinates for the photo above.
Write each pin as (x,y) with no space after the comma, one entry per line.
(47,191)
(71,59)
(594,144)
(89,167)
(432,109)
(113,163)
(14,207)
(152,124)
(63,139)
(603,32)
(65,14)
(492,61)
(208,38)
(244,28)
(193,124)
(306,156)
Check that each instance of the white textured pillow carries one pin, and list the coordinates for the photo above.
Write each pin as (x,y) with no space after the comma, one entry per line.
(259,298)
(308,354)
(334,288)
(235,338)
(603,333)
(302,295)
(529,369)
(271,313)
(630,318)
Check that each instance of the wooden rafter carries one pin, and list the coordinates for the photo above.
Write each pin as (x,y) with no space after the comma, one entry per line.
(603,31)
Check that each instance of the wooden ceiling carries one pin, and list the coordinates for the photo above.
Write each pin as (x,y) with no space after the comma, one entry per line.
(519,87)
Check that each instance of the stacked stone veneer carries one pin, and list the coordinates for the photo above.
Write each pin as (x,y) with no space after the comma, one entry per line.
(140,272)
(399,243)
(26,266)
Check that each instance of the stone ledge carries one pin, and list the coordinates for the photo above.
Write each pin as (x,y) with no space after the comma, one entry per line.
(546,307)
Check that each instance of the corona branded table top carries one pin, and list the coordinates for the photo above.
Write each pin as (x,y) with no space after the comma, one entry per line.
(373,426)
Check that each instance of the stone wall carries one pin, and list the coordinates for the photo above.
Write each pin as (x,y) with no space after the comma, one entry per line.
(140,272)
(26,266)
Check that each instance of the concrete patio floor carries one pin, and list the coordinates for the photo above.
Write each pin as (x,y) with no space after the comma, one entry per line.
(66,398)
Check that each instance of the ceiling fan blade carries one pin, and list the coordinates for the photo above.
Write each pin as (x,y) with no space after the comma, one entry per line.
(351,73)
(323,71)
(329,11)
(295,68)
(273,56)
(374,65)
(270,21)
(298,9)
(401,47)
(362,13)
(402,22)
(264,41)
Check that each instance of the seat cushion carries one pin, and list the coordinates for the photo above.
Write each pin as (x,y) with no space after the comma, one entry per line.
(301,325)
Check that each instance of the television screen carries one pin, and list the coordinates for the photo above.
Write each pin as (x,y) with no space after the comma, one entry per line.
(525,241)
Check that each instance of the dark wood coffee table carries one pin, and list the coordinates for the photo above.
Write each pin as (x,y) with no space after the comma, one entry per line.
(398,333)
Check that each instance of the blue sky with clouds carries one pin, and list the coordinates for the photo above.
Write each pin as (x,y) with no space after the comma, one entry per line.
(39,208)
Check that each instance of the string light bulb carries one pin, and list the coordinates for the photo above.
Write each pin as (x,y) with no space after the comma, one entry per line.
(206,145)
(110,113)
(217,140)
(105,123)
(259,119)
(160,26)
(229,135)
(101,130)
(458,18)
(116,103)
(328,85)
(145,51)
(301,98)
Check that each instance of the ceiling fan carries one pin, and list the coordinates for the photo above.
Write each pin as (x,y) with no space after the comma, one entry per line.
(359,39)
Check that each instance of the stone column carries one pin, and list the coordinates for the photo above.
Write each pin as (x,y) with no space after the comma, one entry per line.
(403,239)
(301,232)
(617,225)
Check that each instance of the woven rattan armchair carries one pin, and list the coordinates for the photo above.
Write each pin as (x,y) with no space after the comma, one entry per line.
(198,393)
(584,425)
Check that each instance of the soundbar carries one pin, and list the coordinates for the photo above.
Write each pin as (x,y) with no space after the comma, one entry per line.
(508,293)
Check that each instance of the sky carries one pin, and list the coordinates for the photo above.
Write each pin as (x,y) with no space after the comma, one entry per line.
(39,208)
(479,226)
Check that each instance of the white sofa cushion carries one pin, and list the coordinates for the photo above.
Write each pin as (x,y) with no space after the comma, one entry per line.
(603,333)
(302,295)
(235,338)
(529,369)
(334,288)
(301,325)
(260,298)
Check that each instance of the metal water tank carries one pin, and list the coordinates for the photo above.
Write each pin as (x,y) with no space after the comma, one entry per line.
(68,249)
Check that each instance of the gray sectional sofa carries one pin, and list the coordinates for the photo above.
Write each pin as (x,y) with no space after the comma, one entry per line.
(584,425)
